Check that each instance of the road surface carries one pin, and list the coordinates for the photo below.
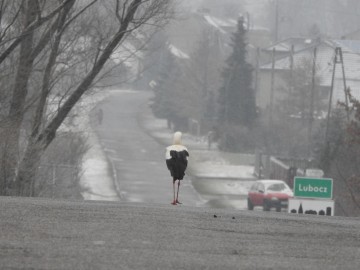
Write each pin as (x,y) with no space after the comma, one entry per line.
(57,234)
(137,160)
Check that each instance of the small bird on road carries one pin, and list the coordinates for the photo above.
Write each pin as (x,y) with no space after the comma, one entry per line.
(176,161)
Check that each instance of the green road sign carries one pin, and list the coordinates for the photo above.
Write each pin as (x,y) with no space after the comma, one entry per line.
(313,187)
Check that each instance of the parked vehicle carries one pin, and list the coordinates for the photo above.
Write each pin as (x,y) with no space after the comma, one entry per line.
(269,194)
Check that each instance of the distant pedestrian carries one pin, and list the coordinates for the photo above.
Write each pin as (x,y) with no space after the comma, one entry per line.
(100,116)
(176,161)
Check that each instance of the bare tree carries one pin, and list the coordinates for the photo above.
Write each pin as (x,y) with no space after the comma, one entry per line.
(296,93)
(67,56)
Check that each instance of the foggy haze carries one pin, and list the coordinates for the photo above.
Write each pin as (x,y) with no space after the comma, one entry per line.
(203,132)
(291,51)
(333,18)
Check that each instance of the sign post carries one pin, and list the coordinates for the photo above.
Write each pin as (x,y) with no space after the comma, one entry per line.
(317,188)
(312,196)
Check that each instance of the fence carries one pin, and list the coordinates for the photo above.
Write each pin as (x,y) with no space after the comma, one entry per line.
(282,168)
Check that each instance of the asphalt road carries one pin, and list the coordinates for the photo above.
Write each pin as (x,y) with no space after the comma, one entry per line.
(138,160)
(55,234)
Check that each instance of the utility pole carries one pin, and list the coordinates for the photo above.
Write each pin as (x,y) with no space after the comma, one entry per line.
(331,94)
(276,20)
(291,79)
(272,87)
(338,59)
(312,95)
(257,66)
(268,145)
(344,81)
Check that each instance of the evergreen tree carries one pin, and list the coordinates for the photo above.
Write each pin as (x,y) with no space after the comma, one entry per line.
(168,94)
(236,99)
(162,107)
(237,104)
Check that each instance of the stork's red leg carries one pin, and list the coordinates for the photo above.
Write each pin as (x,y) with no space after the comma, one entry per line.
(174,201)
(177,195)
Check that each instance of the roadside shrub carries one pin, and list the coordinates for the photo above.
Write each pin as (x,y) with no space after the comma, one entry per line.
(236,139)
(60,167)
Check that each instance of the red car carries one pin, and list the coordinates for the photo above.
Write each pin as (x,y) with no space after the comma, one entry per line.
(268,194)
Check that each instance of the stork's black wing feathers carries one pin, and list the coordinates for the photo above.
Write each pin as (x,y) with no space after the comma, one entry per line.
(177,163)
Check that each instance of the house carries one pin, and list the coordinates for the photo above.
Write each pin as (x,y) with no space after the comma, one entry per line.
(286,47)
(325,56)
